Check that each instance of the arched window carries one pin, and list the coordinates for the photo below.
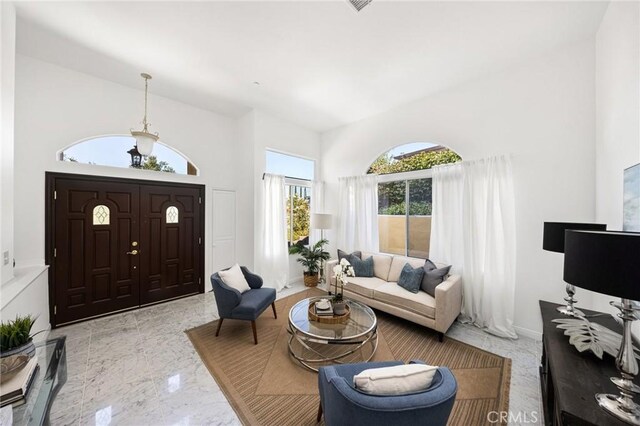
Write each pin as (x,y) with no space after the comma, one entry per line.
(115,151)
(406,181)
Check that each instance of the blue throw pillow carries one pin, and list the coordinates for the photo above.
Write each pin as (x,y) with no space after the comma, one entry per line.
(362,268)
(411,278)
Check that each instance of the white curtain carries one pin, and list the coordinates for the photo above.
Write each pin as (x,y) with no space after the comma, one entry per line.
(473,229)
(317,206)
(358,213)
(273,259)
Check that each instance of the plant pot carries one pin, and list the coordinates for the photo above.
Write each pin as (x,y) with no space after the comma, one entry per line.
(339,308)
(28,349)
(311,280)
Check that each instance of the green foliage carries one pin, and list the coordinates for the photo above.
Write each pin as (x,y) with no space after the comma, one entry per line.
(391,195)
(386,164)
(151,163)
(300,218)
(310,256)
(16,333)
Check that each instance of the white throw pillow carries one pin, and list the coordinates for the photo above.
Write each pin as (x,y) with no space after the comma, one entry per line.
(396,380)
(234,278)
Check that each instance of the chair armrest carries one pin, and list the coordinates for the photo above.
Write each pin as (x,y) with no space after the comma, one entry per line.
(227,298)
(448,302)
(255,281)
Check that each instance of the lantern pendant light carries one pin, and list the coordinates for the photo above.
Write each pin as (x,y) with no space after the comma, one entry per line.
(145,139)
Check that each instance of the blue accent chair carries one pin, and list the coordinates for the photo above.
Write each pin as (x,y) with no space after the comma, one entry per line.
(342,404)
(245,306)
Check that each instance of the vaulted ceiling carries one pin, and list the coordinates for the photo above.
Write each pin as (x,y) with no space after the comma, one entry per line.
(319,64)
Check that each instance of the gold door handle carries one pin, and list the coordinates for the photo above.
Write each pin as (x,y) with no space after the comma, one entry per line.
(133,252)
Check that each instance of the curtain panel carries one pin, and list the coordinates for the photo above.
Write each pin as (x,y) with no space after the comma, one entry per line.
(358,213)
(473,229)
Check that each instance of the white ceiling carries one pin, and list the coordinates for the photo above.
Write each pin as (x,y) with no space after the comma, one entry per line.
(319,64)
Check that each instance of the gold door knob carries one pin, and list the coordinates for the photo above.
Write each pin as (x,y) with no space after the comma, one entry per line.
(134,243)
(133,252)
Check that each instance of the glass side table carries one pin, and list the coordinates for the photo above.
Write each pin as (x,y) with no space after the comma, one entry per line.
(50,377)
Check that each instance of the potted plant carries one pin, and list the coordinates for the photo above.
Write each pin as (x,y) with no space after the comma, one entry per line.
(310,257)
(341,270)
(16,337)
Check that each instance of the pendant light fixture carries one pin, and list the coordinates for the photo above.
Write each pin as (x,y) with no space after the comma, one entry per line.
(145,139)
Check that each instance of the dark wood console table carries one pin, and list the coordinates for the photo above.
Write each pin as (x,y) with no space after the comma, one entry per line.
(570,379)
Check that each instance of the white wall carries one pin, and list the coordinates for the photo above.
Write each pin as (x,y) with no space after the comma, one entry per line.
(56,106)
(260,131)
(617,112)
(7,88)
(542,112)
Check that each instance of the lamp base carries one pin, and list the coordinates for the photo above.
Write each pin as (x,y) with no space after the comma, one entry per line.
(620,407)
(570,311)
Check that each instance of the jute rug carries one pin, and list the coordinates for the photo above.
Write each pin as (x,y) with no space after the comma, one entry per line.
(266,386)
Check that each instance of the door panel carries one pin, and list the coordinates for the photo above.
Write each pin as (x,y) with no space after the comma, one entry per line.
(95,223)
(169,242)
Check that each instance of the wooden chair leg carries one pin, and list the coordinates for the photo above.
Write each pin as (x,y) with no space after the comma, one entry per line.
(319,412)
(219,325)
(255,334)
(273,306)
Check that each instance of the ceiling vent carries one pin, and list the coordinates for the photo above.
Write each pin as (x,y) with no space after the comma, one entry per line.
(358,5)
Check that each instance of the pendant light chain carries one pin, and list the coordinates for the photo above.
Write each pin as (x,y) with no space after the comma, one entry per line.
(146,85)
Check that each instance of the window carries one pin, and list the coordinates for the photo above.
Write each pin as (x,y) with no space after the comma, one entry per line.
(172,214)
(113,151)
(101,215)
(406,181)
(298,174)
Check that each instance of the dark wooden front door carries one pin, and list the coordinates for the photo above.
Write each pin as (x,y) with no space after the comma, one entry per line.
(116,244)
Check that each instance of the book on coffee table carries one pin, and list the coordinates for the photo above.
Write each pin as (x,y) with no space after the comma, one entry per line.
(324,312)
(15,389)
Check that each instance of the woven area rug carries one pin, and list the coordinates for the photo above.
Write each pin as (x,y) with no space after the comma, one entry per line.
(266,386)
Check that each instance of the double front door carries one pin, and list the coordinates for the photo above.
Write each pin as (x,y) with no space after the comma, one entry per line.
(115,244)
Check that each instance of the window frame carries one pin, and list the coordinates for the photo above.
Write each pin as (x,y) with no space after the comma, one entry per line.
(290,182)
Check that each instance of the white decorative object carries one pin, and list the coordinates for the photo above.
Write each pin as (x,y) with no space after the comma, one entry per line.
(172,214)
(145,139)
(591,336)
(474,206)
(342,270)
(101,214)
(395,380)
(234,278)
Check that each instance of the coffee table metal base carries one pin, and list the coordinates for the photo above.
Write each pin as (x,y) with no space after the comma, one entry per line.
(313,353)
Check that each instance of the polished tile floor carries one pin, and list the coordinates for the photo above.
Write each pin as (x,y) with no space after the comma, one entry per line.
(139,368)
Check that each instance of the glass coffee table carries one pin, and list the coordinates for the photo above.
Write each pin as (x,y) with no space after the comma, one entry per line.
(315,344)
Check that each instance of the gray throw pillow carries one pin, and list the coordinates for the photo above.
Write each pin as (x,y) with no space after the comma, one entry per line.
(429,265)
(411,278)
(432,278)
(343,254)
(362,268)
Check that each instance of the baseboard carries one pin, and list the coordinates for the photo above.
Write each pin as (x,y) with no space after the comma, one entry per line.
(295,281)
(535,335)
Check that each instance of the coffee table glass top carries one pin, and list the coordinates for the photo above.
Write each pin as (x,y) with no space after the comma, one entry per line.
(361,321)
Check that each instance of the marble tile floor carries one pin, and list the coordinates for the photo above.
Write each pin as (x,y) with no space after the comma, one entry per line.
(139,368)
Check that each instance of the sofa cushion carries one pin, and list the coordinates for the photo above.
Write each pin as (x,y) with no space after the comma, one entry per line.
(421,303)
(364,286)
(344,255)
(362,268)
(234,278)
(381,264)
(411,278)
(433,278)
(398,263)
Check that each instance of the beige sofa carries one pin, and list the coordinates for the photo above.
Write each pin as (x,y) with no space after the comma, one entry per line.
(383,292)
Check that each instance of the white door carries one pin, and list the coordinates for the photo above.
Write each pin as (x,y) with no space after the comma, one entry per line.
(224,229)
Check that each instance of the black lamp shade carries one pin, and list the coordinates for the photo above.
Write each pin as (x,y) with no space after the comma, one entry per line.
(553,237)
(604,262)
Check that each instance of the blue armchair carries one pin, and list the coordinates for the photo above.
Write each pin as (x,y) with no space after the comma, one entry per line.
(342,404)
(245,306)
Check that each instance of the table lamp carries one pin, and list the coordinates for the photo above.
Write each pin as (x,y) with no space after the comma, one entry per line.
(321,221)
(553,240)
(609,262)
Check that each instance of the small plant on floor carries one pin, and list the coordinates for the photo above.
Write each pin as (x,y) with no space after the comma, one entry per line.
(310,256)
(16,333)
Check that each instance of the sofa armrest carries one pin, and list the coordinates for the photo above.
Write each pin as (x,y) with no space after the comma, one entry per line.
(328,271)
(448,302)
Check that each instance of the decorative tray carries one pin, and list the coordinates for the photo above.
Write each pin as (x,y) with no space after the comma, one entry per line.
(326,319)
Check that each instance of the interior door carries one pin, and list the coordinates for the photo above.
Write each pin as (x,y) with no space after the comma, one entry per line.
(96,227)
(224,229)
(170,242)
